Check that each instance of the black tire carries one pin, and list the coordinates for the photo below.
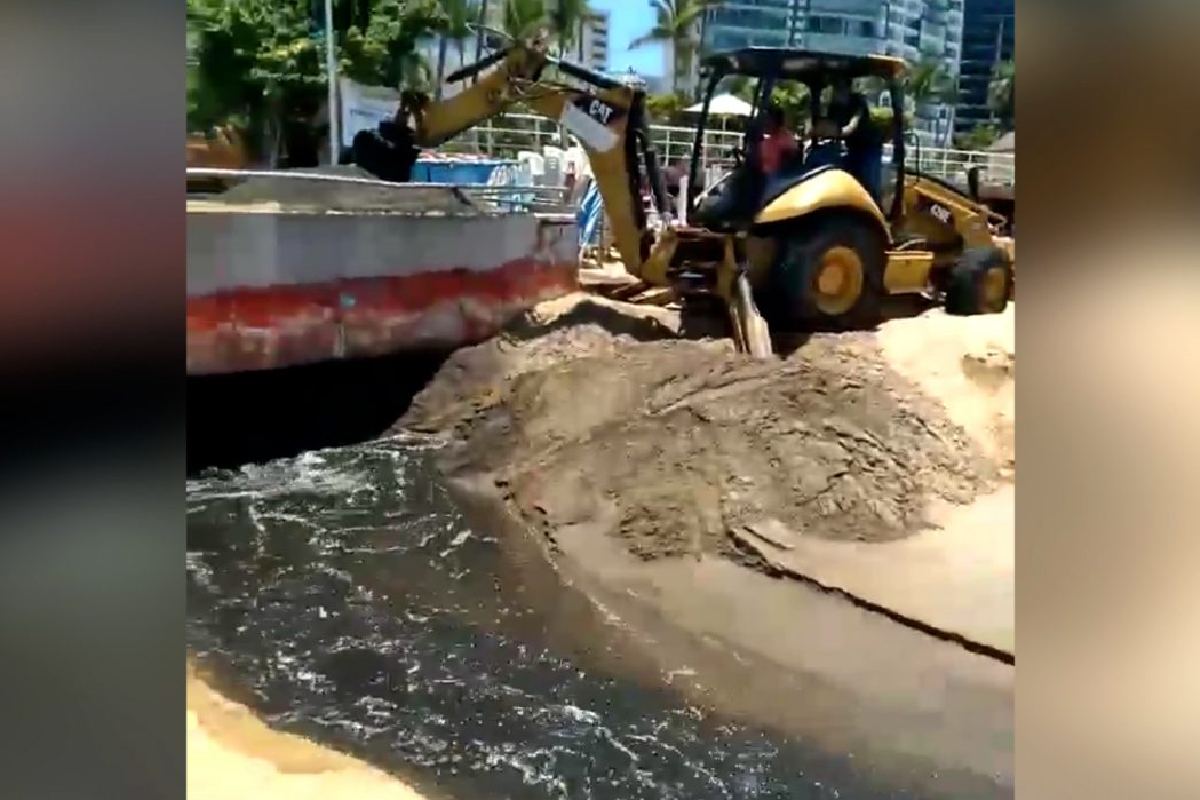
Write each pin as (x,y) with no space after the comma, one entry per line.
(794,301)
(966,287)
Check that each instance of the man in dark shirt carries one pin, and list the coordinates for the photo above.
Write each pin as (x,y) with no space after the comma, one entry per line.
(864,145)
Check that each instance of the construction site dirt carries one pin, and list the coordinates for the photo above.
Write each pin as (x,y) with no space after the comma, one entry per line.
(590,411)
(674,480)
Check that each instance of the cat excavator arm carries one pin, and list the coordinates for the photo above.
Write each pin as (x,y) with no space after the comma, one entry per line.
(606,116)
(609,120)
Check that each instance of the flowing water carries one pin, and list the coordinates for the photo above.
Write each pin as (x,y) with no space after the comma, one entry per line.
(346,595)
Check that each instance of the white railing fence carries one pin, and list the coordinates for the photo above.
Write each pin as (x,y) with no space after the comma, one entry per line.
(507,135)
(998,169)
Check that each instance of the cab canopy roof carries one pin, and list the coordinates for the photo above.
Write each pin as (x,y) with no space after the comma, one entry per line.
(807,66)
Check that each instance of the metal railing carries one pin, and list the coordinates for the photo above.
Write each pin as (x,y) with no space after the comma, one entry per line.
(507,135)
(539,199)
(997,169)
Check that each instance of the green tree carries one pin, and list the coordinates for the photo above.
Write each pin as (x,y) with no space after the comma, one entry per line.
(675,27)
(794,98)
(562,19)
(928,83)
(224,43)
(567,18)
(255,65)
(1002,95)
(385,52)
(978,138)
(666,109)
(258,65)
(523,19)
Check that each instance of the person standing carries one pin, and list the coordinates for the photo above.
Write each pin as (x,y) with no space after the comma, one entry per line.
(851,114)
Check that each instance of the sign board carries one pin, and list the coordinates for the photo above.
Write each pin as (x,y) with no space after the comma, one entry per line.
(364,107)
(588,118)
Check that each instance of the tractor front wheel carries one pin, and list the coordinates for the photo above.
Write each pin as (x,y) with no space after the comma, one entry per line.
(830,274)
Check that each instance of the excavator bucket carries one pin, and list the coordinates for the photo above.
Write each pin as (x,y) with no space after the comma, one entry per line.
(750,331)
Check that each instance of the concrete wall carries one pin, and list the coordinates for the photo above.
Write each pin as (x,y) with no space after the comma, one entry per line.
(269,288)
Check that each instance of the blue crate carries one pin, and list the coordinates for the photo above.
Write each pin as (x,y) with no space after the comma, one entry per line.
(476,172)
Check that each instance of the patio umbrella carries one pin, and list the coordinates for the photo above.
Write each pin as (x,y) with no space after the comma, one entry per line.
(725,105)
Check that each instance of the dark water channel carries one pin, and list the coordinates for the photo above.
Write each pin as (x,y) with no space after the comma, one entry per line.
(344,594)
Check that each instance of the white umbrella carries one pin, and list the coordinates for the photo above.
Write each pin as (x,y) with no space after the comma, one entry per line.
(725,105)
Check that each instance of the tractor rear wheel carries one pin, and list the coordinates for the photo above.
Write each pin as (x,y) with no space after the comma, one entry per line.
(980,282)
(830,274)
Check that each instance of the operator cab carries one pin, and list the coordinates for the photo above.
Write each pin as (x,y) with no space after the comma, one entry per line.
(749,188)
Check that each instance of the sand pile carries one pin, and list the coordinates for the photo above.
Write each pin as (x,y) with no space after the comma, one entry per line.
(328,195)
(968,364)
(593,413)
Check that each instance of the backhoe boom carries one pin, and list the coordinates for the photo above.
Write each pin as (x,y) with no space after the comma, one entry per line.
(607,117)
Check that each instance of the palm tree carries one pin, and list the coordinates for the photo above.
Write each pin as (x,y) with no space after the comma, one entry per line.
(563,19)
(479,35)
(524,18)
(930,83)
(675,27)
(567,18)
(461,18)
(1002,94)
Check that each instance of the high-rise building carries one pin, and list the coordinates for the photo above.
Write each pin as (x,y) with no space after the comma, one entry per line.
(912,29)
(593,40)
(920,30)
(749,23)
(989,39)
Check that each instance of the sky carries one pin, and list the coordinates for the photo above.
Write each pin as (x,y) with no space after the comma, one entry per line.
(630,19)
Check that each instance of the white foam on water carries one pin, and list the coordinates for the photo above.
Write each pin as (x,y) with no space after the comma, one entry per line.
(578,714)
(456,542)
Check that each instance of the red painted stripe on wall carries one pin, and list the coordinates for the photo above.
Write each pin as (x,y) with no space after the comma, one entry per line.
(254,329)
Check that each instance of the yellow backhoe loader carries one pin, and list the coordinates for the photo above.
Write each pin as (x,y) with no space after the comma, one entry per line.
(809,245)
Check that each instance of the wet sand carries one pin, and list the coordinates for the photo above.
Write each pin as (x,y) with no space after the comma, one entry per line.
(231,754)
(780,653)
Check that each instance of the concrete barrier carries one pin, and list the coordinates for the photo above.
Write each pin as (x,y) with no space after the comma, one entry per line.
(270,288)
